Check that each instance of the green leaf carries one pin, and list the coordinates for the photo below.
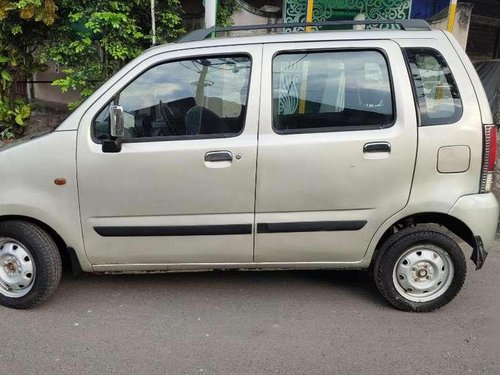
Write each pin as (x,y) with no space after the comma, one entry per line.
(19,119)
(6,75)
(25,111)
(3,59)
(16,29)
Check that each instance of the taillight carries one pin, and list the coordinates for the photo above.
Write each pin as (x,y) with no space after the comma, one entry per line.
(489,158)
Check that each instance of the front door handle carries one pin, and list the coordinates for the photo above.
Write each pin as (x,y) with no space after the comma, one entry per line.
(216,156)
(377,147)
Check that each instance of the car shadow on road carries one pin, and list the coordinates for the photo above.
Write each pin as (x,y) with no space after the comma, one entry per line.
(357,286)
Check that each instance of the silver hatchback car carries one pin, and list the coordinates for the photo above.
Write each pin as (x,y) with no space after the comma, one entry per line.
(351,149)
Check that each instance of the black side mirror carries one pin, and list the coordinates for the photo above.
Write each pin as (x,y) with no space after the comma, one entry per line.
(112,144)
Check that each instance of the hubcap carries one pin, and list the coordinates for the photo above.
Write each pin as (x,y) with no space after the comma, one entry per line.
(423,273)
(17,269)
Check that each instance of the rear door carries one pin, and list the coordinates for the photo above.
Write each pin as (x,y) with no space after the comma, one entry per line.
(337,148)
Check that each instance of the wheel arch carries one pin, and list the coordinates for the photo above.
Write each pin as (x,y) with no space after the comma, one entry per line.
(456,226)
(68,255)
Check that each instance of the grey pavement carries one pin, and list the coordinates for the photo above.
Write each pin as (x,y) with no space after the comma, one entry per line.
(303,322)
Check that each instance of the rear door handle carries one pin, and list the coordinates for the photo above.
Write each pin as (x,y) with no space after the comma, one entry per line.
(216,156)
(377,147)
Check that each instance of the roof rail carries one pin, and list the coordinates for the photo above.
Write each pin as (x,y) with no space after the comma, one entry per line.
(408,25)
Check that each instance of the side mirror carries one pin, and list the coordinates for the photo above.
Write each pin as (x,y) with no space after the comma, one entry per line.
(117,129)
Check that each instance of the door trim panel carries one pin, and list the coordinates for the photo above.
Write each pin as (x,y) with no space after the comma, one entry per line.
(176,230)
(311,226)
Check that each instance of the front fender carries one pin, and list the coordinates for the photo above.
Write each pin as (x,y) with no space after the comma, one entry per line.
(27,187)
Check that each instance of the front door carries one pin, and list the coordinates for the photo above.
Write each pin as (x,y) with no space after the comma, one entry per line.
(337,148)
(182,188)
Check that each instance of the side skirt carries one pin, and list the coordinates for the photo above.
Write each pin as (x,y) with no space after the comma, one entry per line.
(189,267)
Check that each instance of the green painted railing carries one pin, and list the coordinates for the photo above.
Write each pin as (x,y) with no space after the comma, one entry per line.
(333,10)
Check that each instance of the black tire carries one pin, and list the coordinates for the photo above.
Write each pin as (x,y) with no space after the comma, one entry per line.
(392,250)
(46,258)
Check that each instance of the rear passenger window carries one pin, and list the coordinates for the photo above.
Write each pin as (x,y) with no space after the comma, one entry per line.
(195,98)
(329,91)
(436,90)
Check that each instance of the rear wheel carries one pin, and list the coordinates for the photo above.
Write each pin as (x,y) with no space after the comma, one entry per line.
(30,265)
(420,269)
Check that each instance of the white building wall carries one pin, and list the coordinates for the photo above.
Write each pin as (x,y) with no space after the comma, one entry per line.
(462,23)
(45,91)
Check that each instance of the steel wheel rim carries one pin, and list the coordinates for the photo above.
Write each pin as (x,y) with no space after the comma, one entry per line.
(423,273)
(17,269)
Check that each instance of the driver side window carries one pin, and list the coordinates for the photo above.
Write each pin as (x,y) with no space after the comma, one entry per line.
(200,97)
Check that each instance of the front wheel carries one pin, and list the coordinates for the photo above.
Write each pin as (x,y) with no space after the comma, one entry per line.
(420,270)
(30,265)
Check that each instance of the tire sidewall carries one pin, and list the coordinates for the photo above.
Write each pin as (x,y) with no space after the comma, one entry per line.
(393,253)
(38,251)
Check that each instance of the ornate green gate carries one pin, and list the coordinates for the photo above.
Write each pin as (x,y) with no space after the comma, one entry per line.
(333,10)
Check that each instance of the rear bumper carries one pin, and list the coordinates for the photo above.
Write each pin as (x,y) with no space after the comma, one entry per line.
(480,213)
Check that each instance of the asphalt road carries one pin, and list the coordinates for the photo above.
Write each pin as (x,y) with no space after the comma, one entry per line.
(250,323)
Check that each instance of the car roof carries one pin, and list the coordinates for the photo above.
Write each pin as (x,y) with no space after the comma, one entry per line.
(243,38)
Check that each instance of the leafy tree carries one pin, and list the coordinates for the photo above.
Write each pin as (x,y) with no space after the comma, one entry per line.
(225,10)
(89,40)
(24,26)
(95,39)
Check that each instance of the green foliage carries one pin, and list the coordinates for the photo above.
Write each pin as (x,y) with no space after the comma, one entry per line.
(168,21)
(29,10)
(12,117)
(24,25)
(89,40)
(95,39)
(225,10)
